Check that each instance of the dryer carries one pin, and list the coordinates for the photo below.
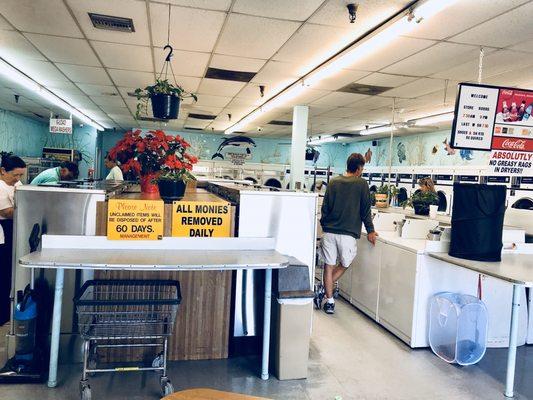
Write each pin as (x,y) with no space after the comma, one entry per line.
(405,184)
(521,193)
(444,186)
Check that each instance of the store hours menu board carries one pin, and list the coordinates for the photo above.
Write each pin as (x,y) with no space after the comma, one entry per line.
(475,110)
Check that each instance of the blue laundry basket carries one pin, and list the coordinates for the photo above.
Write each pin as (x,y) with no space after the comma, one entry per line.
(458,325)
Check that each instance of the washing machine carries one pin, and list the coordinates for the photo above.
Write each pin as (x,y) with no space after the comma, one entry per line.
(521,193)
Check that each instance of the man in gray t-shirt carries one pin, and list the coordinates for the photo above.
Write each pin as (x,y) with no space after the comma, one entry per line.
(345,208)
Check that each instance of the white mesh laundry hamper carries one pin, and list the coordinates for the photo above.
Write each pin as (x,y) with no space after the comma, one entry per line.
(458,325)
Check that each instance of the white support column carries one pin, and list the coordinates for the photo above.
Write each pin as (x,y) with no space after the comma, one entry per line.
(299,139)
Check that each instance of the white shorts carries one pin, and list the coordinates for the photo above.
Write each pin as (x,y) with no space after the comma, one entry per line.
(336,248)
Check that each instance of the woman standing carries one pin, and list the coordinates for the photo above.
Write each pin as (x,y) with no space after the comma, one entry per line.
(115,173)
(12,170)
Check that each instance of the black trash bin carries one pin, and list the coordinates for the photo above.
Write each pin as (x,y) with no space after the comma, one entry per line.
(477,221)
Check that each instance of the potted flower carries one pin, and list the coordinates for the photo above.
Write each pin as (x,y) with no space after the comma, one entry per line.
(151,154)
(165,98)
(175,170)
(382,196)
(421,201)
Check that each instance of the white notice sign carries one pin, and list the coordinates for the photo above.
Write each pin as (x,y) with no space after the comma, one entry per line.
(60,125)
(474,117)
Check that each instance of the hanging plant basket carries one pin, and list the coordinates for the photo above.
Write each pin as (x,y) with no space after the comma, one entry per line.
(165,106)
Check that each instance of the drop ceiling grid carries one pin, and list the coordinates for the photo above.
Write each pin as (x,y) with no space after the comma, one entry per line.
(48,60)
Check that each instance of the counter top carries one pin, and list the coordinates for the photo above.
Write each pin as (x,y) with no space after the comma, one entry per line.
(195,194)
(514,268)
(409,212)
(415,245)
(154,260)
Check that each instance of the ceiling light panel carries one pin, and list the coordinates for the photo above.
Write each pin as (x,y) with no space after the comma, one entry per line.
(43,72)
(136,10)
(220,5)
(340,79)
(256,37)
(338,99)
(64,50)
(124,56)
(83,74)
(191,29)
(35,16)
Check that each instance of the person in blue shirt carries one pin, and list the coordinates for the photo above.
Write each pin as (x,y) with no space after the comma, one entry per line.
(67,171)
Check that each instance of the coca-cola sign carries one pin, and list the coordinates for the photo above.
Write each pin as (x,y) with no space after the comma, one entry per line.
(515,144)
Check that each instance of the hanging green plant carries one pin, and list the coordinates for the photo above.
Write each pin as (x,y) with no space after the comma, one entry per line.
(165,98)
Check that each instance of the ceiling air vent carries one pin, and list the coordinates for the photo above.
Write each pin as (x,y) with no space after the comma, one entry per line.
(363,89)
(192,129)
(38,115)
(228,75)
(202,116)
(112,23)
(282,123)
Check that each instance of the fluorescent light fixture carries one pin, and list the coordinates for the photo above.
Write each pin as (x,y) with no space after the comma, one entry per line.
(322,140)
(377,129)
(421,11)
(434,119)
(20,78)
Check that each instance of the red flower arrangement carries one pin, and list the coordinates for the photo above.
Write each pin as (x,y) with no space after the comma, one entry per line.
(154,153)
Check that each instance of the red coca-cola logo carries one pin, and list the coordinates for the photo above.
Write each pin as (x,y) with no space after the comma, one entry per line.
(514,144)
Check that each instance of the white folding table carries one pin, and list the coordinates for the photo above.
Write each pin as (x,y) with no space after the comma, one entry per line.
(516,269)
(169,254)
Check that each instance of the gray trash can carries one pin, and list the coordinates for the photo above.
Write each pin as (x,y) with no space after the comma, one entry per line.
(292,309)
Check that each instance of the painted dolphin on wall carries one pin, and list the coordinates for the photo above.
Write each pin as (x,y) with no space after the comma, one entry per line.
(237,141)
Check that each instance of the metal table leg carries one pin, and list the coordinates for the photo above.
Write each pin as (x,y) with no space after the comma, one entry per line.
(266,324)
(56,328)
(511,355)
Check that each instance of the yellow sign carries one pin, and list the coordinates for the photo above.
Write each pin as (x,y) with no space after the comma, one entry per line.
(135,219)
(201,219)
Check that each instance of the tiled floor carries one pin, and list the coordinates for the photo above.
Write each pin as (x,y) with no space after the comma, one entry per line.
(351,357)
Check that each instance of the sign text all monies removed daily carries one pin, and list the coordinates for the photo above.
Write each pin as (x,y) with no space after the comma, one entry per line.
(201,219)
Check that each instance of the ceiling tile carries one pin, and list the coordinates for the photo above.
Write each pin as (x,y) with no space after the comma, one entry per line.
(296,10)
(417,88)
(312,44)
(369,13)
(123,56)
(131,78)
(523,46)
(252,93)
(275,72)
(342,78)
(307,97)
(97,90)
(187,63)
(64,50)
(435,59)
(338,99)
(213,101)
(14,47)
(387,80)
(340,112)
(396,50)
(494,63)
(220,87)
(48,17)
(505,30)
(43,72)
(236,63)
(4,25)
(73,91)
(255,37)
(82,74)
(136,10)
(463,15)
(221,5)
(191,29)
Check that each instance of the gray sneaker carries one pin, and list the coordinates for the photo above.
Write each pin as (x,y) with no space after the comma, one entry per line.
(329,308)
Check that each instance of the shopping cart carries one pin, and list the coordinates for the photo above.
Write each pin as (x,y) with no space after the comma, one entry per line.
(126,313)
